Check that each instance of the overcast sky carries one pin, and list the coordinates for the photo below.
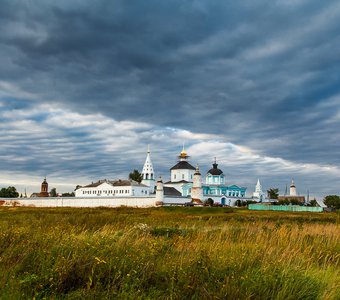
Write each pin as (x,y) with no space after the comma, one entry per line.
(85,86)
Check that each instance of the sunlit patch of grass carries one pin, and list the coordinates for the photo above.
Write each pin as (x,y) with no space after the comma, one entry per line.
(169,252)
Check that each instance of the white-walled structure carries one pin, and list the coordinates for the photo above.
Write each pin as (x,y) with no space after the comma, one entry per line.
(196,190)
(159,191)
(81,202)
(148,172)
(182,170)
(116,188)
(259,194)
(292,189)
(215,175)
(181,173)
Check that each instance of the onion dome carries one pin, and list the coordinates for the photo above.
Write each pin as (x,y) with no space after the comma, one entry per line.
(215,170)
(197,172)
(183,155)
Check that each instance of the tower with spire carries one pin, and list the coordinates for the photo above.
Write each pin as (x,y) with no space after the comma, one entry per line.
(292,189)
(148,172)
(44,189)
(197,190)
(259,194)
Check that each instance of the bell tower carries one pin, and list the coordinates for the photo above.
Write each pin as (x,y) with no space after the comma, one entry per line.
(148,173)
(44,189)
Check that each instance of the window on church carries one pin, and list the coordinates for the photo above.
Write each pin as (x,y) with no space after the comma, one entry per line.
(182,176)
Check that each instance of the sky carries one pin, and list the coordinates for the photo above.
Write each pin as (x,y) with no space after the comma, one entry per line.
(86,85)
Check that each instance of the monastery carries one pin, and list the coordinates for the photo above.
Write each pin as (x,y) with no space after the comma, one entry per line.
(186,185)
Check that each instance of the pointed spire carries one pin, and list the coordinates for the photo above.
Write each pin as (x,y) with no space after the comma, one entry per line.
(292,190)
(148,172)
(258,187)
(197,172)
(215,164)
(183,155)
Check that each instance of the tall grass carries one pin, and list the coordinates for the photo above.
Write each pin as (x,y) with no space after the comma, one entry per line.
(168,253)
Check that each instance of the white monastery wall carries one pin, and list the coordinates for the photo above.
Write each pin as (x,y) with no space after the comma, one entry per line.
(82,202)
(176,200)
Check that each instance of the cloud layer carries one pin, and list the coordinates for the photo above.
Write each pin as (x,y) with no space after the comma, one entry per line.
(85,85)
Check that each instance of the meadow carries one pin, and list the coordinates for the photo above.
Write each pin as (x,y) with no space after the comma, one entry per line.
(168,253)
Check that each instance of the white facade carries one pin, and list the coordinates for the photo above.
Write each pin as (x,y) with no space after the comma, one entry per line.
(182,170)
(179,175)
(215,175)
(159,191)
(211,179)
(259,194)
(177,185)
(292,189)
(148,172)
(118,188)
(196,190)
(145,201)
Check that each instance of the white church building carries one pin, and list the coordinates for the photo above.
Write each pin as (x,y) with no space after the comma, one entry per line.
(113,188)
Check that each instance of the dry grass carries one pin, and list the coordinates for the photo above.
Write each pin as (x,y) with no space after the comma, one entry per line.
(168,253)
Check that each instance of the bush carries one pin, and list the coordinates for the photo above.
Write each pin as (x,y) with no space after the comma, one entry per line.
(332,201)
(209,202)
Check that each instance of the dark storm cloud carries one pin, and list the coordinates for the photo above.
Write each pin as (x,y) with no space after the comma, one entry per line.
(263,74)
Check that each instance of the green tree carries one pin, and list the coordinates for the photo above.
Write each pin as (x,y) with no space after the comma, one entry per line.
(313,203)
(9,192)
(53,192)
(136,176)
(273,193)
(68,194)
(283,202)
(209,202)
(295,201)
(332,201)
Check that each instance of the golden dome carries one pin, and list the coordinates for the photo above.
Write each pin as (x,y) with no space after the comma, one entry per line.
(183,154)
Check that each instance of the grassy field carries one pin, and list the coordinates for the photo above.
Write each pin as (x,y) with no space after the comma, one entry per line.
(168,253)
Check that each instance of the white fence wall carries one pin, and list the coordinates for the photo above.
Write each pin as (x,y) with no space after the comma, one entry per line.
(176,200)
(81,202)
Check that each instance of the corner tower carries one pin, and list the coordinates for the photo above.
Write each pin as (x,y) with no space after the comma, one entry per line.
(196,190)
(148,173)
(292,190)
(44,189)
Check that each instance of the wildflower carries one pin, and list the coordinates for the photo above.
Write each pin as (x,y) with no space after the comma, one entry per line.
(143,227)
